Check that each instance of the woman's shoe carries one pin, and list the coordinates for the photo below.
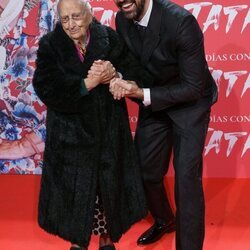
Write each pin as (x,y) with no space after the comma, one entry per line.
(107,247)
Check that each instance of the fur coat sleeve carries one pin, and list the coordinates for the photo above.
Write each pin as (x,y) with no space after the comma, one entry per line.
(59,89)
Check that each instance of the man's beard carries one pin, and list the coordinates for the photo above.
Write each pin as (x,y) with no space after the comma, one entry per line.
(136,14)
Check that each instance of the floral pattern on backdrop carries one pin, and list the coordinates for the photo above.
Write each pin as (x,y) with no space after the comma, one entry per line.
(22,24)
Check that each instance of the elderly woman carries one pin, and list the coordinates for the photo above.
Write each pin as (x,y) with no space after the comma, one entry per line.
(91,180)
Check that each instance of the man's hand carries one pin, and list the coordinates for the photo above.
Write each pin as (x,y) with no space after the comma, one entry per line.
(117,91)
(103,70)
(122,88)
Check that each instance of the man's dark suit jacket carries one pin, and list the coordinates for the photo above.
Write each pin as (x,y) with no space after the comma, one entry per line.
(173,51)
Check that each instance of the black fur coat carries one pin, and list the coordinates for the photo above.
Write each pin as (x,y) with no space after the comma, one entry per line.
(89,144)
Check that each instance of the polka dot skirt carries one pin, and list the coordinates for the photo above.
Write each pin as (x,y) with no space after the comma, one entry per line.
(100,224)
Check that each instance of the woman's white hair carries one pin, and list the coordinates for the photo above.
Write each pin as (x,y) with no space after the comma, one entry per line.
(84,3)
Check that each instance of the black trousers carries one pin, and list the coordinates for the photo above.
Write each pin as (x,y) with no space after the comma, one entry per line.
(182,132)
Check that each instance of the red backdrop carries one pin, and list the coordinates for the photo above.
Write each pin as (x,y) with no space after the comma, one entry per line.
(226,29)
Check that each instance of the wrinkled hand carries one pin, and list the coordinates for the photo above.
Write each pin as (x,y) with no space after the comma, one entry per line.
(103,70)
(122,88)
(92,81)
(95,76)
(117,91)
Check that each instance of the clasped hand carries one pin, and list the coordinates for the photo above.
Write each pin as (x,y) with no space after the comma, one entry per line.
(123,88)
(102,71)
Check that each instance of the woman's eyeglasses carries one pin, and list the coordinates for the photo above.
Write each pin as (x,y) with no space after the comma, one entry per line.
(74,17)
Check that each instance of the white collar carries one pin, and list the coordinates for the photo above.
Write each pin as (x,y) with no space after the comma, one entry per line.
(144,21)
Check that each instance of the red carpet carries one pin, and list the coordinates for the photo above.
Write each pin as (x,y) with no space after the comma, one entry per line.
(227,218)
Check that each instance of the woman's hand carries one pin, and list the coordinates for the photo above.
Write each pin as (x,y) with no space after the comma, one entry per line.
(104,70)
(91,82)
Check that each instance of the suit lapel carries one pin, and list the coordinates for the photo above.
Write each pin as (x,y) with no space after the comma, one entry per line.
(152,35)
(136,41)
(129,34)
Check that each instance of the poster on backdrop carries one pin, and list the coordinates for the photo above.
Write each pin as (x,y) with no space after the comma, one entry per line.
(226,29)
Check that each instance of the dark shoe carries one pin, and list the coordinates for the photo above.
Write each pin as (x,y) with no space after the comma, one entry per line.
(107,247)
(155,232)
(78,248)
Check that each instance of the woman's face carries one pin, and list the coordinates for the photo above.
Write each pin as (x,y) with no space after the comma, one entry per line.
(75,19)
